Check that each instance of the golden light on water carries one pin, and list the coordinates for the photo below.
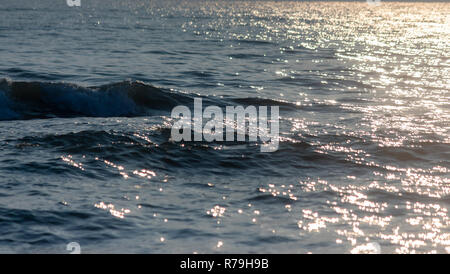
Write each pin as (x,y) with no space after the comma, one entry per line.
(392,73)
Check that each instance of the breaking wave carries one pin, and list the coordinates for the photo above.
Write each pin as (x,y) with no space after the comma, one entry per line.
(39,100)
(30,100)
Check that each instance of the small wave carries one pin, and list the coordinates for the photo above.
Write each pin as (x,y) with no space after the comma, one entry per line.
(29,100)
(253,42)
(40,100)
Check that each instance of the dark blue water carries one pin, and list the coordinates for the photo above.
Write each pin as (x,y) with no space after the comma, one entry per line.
(86,155)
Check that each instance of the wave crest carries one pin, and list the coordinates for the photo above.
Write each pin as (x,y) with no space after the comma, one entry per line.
(39,100)
(29,100)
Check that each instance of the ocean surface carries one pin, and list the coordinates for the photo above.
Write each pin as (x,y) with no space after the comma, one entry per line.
(86,156)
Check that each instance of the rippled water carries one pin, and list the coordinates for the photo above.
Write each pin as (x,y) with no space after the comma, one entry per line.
(85,101)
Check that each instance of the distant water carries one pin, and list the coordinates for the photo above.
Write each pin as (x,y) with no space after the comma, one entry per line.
(85,101)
